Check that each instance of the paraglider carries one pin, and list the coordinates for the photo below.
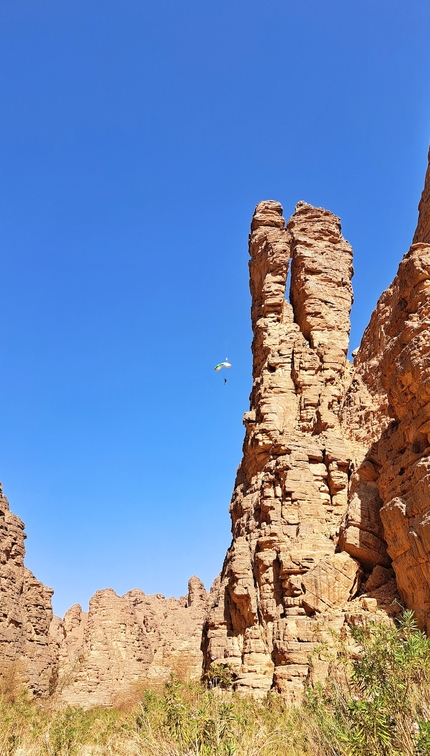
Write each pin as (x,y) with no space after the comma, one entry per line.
(220,365)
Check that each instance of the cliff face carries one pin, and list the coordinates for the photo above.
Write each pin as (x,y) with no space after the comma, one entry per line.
(26,653)
(390,398)
(395,471)
(333,490)
(422,234)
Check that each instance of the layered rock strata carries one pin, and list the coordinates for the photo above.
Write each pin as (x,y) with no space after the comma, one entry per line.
(126,641)
(283,576)
(388,516)
(26,653)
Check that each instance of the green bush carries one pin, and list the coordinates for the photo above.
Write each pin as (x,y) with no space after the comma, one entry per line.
(378,702)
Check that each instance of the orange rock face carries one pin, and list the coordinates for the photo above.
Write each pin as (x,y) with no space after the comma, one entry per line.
(422,234)
(396,468)
(94,657)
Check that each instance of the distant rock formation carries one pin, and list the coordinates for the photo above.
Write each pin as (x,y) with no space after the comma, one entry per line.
(95,657)
(128,640)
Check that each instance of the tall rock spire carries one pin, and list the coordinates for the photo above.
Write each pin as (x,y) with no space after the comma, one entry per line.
(281,571)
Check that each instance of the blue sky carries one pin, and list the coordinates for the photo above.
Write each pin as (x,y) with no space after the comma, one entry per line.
(135,140)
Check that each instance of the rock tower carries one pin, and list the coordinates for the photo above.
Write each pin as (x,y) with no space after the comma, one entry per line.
(333,490)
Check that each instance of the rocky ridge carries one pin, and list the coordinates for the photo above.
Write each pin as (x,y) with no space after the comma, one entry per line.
(391,488)
(331,506)
(422,233)
(95,657)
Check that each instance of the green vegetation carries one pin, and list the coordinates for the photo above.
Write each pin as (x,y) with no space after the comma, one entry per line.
(375,702)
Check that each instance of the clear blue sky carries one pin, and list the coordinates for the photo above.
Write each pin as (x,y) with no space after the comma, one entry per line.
(136,137)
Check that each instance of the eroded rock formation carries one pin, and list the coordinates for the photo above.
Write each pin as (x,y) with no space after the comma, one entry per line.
(95,657)
(283,569)
(393,483)
(389,512)
(334,485)
(422,234)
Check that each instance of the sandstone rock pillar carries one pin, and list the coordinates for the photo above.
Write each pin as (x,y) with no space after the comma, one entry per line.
(282,570)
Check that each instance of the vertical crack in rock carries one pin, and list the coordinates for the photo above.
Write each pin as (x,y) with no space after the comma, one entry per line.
(282,570)
(321,297)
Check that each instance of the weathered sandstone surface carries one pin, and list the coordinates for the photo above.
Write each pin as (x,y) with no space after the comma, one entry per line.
(392,487)
(333,491)
(388,516)
(93,657)
(422,234)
